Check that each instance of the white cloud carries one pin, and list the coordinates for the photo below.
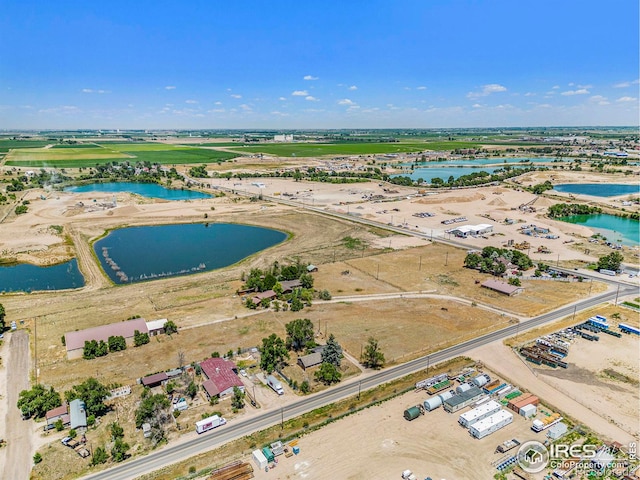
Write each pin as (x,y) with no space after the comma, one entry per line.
(87,90)
(235,95)
(529,94)
(309,77)
(600,100)
(555,87)
(218,103)
(191,102)
(487,90)
(170,87)
(626,84)
(476,105)
(309,98)
(581,91)
(282,99)
(353,87)
(91,90)
(216,110)
(626,99)
(346,101)
(299,93)
(246,107)
(421,87)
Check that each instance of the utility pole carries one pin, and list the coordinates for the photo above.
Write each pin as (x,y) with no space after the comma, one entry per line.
(359,388)
(446,259)
(420,264)
(575,307)
(378,271)
(617,292)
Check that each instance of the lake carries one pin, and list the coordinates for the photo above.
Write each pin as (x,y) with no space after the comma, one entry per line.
(427,174)
(598,189)
(483,161)
(149,190)
(25,277)
(137,254)
(615,229)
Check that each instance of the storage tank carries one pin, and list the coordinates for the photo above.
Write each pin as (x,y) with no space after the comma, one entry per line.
(463,388)
(411,413)
(446,395)
(481,380)
(432,403)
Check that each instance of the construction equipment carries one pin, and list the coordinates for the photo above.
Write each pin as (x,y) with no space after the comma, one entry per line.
(543,249)
(522,246)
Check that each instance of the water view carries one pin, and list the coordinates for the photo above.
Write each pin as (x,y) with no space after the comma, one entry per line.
(428,174)
(25,277)
(598,189)
(149,190)
(484,161)
(146,253)
(615,229)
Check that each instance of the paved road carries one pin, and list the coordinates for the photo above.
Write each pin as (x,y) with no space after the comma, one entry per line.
(209,440)
(17,454)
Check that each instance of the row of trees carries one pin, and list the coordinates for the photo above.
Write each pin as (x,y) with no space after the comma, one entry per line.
(261,280)
(492,260)
(116,343)
(567,209)
(38,400)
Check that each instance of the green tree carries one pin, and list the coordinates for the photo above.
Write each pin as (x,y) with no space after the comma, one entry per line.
(299,334)
(610,262)
(92,393)
(37,458)
(37,401)
(472,260)
(237,401)
(324,295)
(119,450)
(296,304)
(307,280)
(372,357)
(273,353)
(2,318)
(140,339)
(304,387)
(192,389)
(116,431)
(332,352)
(328,374)
(149,409)
(170,327)
(117,343)
(59,426)
(99,456)
(515,281)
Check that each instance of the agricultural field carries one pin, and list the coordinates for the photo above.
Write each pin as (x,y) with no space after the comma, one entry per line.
(320,149)
(82,156)
(6,145)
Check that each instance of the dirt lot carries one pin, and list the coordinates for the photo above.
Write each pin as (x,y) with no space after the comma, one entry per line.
(433,445)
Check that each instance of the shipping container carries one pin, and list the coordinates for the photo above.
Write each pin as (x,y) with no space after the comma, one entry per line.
(260,459)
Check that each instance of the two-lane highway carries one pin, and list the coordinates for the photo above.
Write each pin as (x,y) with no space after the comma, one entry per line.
(233,430)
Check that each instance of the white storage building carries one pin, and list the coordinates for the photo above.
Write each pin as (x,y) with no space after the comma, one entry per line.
(483,411)
(491,424)
(528,411)
(260,459)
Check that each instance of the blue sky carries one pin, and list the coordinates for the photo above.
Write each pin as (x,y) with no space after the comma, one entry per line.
(331,64)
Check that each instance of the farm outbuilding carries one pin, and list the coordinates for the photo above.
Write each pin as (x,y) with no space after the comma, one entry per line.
(311,360)
(74,341)
(156,327)
(502,287)
(78,415)
(58,413)
(154,380)
(221,377)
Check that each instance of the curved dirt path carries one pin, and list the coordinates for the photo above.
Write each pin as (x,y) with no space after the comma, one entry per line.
(93,276)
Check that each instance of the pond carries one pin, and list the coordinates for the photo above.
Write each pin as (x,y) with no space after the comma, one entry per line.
(598,189)
(138,254)
(483,161)
(615,229)
(25,277)
(428,174)
(149,190)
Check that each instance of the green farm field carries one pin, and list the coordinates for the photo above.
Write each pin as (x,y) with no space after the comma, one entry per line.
(6,145)
(320,149)
(100,154)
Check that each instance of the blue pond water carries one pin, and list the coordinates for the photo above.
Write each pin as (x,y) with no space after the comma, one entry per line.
(137,254)
(427,174)
(598,189)
(484,161)
(26,278)
(615,229)
(149,190)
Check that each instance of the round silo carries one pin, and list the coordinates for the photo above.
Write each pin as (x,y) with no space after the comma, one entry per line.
(481,380)
(445,395)
(463,388)
(411,413)
(432,403)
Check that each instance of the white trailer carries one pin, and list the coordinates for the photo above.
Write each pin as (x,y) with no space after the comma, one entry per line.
(260,459)
(483,411)
(491,424)
(209,423)
(275,384)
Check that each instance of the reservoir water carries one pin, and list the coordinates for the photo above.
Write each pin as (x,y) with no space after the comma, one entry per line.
(615,229)
(25,277)
(484,161)
(428,174)
(137,254)
(149,190)
(598,189)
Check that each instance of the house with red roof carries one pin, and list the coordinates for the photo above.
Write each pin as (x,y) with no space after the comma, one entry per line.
(221,377)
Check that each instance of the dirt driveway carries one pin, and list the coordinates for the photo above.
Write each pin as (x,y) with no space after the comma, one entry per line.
(16,457)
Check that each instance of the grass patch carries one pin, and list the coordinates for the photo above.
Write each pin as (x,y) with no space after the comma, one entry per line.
(354,243)
(620,377)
